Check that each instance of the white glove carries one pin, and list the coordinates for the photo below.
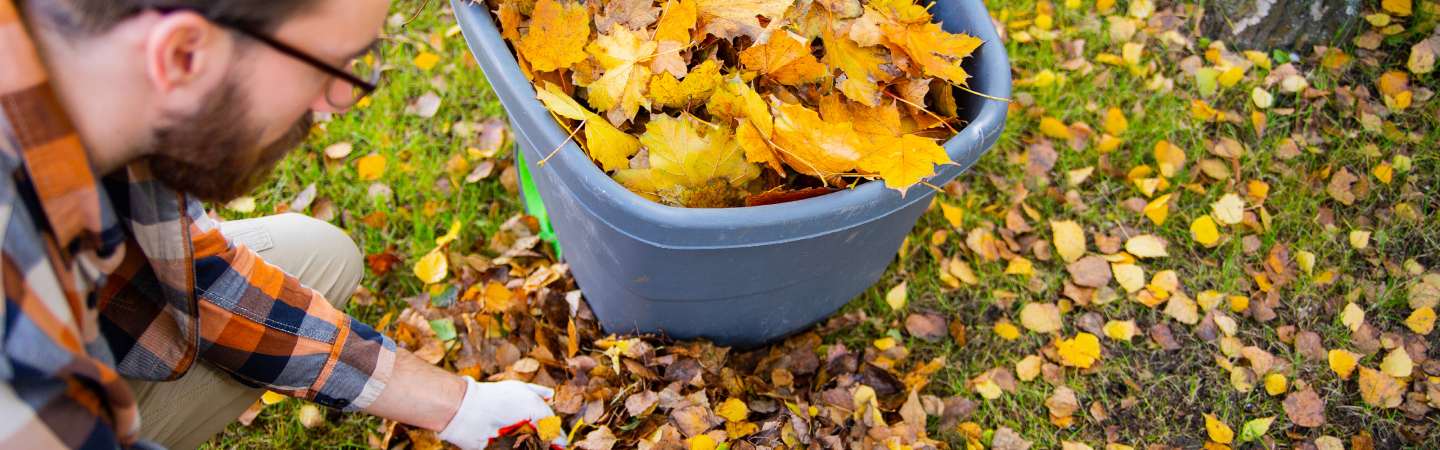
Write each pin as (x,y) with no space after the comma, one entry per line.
(491,410)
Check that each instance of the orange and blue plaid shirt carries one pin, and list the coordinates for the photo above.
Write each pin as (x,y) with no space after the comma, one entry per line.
(121,277)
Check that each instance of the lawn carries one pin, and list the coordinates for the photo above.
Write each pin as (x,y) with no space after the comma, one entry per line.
(1324,194)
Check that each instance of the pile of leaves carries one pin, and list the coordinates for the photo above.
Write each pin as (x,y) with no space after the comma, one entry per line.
(716,103)
(519,316)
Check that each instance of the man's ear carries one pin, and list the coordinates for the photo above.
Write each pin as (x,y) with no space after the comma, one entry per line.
(185,57)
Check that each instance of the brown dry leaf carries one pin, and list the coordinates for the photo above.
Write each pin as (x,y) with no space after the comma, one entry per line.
(1339,187)
(598,439)
(1090,271)
(929,327)
(557,35)
(1305,408)
(1007,439)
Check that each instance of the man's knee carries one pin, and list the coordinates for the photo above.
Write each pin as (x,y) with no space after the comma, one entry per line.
(321,255)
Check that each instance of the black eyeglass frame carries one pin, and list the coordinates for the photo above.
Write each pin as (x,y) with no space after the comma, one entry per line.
(366,87)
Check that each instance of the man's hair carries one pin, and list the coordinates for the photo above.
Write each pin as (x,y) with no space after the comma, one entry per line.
(98,16)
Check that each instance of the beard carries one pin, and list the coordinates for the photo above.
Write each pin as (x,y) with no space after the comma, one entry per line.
(215,153)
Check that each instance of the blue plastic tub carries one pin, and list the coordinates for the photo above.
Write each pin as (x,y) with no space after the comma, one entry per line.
(737,276)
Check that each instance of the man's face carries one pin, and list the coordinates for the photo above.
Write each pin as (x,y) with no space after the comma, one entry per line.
(263,106)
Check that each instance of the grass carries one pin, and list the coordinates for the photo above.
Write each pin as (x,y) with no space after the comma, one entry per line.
(1170,390)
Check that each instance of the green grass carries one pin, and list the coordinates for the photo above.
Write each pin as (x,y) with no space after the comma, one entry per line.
(1171,390)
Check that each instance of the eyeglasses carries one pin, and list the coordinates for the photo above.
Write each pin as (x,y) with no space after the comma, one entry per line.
(345,87)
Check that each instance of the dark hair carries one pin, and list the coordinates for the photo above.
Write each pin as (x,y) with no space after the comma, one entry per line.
(98,16)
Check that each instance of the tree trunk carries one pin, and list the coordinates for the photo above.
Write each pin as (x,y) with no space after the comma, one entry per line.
(1295,25)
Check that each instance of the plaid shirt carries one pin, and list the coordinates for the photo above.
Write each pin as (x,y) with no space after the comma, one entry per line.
(125,278)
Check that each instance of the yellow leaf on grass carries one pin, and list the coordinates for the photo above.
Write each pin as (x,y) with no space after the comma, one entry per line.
(904,161)
(733,410)
(1146,246)
(1006,330)
(1400,8)
(1383,172)
(1120,330)
(1397,363)
(1080,351)
(896,297)
(433,267)
(1069,240)
(1217,430)
(1231,76)
(1359,239)
(1275,384)
(426,60)
(1054,128)
(1169,158)
(1352,316)
(557,35)
(1158,209)
(1115,122)
(548,428)
(1029,367)
(953,214)
(1421,321)
(1229,210)
(370,167)
(1306,261)
(1131,277)
(1204,231)
(1040,317)
(1342,362)
(1020,266)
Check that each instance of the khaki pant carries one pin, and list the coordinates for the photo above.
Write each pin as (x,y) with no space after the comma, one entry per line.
(184,413)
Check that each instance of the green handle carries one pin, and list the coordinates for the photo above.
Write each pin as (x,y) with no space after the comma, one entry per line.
(534,205)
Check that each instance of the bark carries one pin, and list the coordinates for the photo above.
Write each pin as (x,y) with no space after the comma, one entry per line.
(1295,25)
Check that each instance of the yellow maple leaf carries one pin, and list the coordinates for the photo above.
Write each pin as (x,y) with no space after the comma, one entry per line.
(684,163)
(815,147)
(621,88)
(786,59)
(903,161)
(1217,430)
(861,66)
(604,143)
(698,86)
(1342,362)
(676,21)
(370,167)
(937,52)
(1080,351)
(557,35)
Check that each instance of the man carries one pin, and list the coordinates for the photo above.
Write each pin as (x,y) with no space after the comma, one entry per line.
(131,318)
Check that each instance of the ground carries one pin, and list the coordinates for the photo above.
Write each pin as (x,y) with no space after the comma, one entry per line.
(1331,156)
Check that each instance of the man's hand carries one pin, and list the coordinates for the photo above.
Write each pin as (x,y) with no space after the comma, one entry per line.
(491,410)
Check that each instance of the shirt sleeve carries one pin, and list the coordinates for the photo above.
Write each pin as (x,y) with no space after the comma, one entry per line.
(264,327)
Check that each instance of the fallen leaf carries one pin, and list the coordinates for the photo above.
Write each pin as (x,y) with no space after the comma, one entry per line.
(432,268)
(1380,390)
(370,167)
(1421,321)
(1253,429)
(598,439)
(1120,330)
(896,296)
(1339,187)
(1146,246)
(557,35)
(1040,317)
(1090,271)
(1069,240)
(1080,351)
(1342,362)
(1007,439)
(310,416)
(1229,210)
(1397,363)
(1131,277)
(1217,430)
(929,327)
(1204,231)
(1305,408)
(1352,316)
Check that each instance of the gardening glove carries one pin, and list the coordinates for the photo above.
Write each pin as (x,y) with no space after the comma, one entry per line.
(491,410)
